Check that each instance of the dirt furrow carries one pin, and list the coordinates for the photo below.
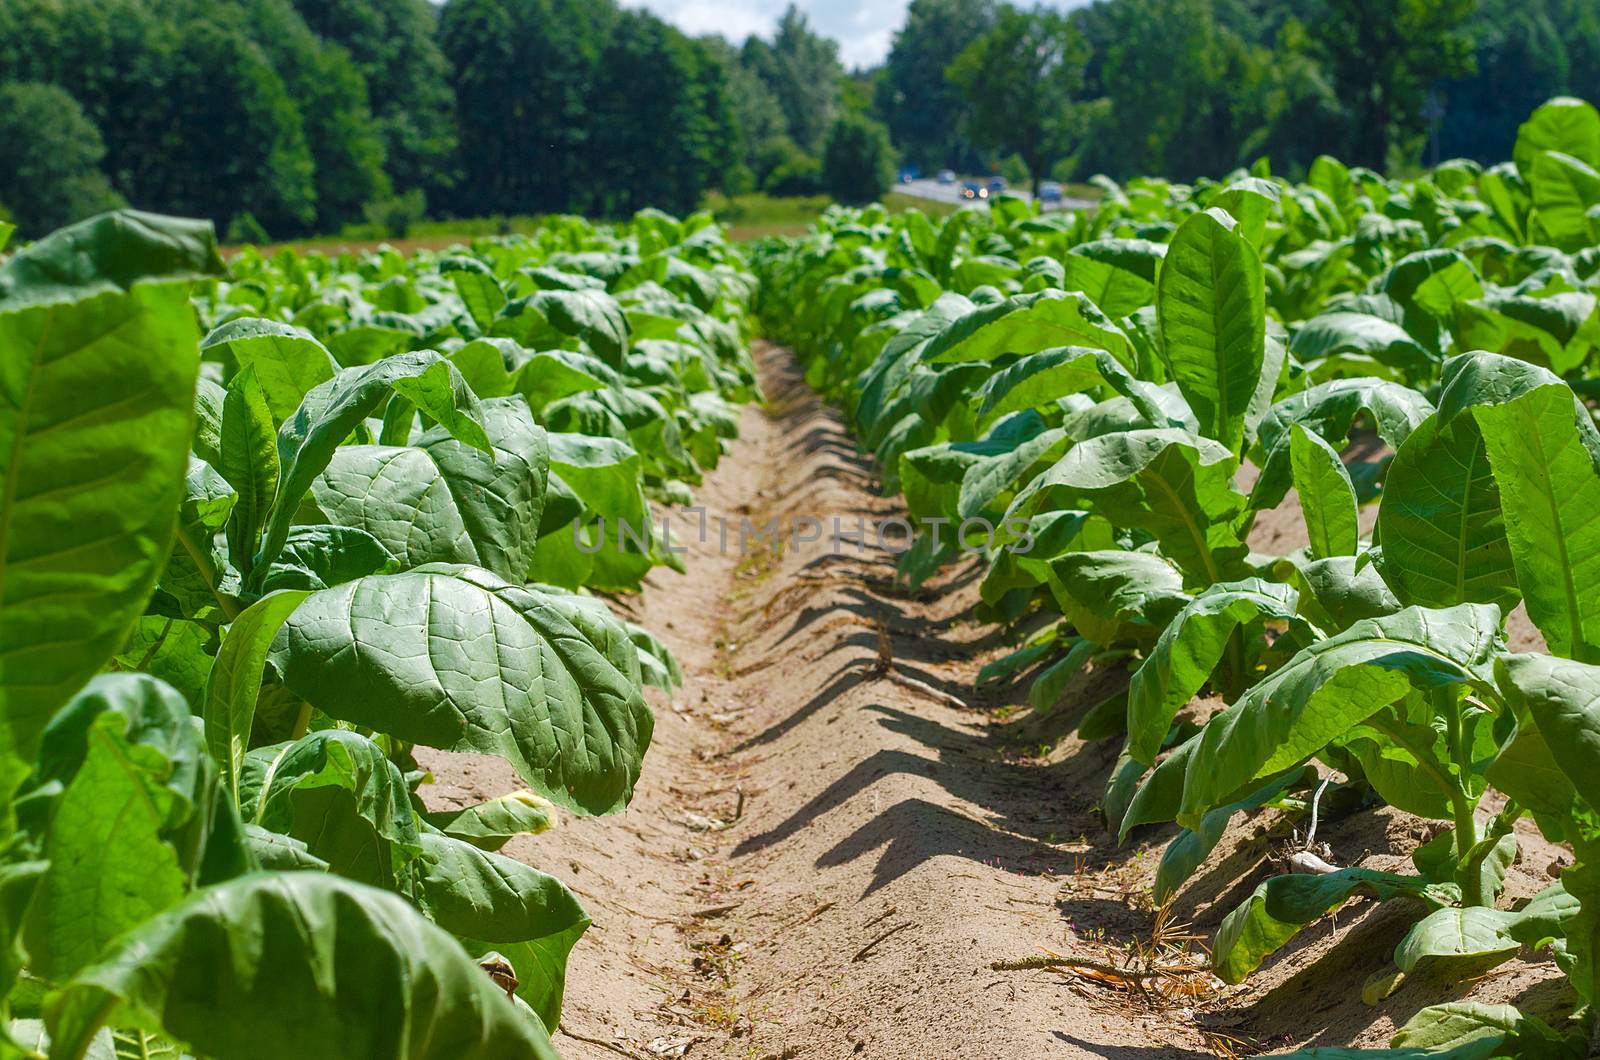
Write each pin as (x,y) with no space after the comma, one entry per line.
(828,851)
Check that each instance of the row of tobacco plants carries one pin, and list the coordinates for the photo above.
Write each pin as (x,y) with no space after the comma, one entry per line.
(1142,381)
(266,528)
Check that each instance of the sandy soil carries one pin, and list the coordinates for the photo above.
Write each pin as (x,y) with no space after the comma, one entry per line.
(825,861)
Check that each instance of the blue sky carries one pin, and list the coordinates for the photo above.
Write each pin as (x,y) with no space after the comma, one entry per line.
(863,28)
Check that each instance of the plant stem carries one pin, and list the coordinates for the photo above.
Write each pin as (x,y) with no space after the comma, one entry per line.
(1461,805)
(303,722)
(202,562)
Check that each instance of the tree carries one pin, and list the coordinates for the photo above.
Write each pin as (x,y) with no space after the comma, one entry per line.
(233,137)
(857,160)
(924,112)
(346,143)
(1382,57)
(667,146)
(196,117)
(802,69)
(523,72)
(52,173)
(1020,79)
(1521,59)
(758,120)
(393,45)
(1175,79)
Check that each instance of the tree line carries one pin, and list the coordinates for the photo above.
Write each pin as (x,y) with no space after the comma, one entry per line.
(1184,88)
(283,117)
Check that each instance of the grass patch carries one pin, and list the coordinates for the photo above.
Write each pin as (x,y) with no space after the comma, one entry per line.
(758,215)
(748,217)
(900,202)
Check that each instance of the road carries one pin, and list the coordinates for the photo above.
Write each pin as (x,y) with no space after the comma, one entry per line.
(951,193)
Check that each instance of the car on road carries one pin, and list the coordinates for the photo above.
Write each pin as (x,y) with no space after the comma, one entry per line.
(947,176)
(996,185)
(973,190)
(1051,192)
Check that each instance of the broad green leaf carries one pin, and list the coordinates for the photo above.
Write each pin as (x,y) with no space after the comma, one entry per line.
(288,361)
(367,344)
(1039,379)
(1543,448)
(199,579)
(249,461)
(306,443)
(480,292)
(96,412)
(1169,483)
(1328,410)
(1462,944)
(1558,330)
(1332,177)
(1563,124)
(176,651)
(1106,594)
(1345,332)
(1252,201)
(493,902)
(1458,1024)
(441,393)
(209,397)
(554,374)
(1052,682)
(1190,848)
(1024,562)
(1327,497)
(1211,304)
(1283,905)
(235,681)
(299,963)
(590,315)
(281,853)
(1427,286)
(1118,275)
(1192,647)
(480,665)
(1440,520)
(1526,771)
(1564,190)
(1331,686)
(335,792)
(1563,698)
(990,482)
(1336,593)
(490,825)
(6,228)
(1028,323)
(320,556)
(486,365)
(110,868)
(441,501)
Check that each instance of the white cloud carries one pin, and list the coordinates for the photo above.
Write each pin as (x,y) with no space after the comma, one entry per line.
(734,19)
(864,28)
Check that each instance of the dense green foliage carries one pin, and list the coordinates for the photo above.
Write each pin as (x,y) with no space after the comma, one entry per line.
(1101,404)
(335,111)
(266,530)
(52,173)
(857,160)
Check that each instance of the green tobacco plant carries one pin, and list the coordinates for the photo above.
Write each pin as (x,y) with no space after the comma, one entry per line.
(1100,405)
(340,526)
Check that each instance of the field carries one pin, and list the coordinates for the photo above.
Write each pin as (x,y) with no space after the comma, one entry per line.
(1171,629)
